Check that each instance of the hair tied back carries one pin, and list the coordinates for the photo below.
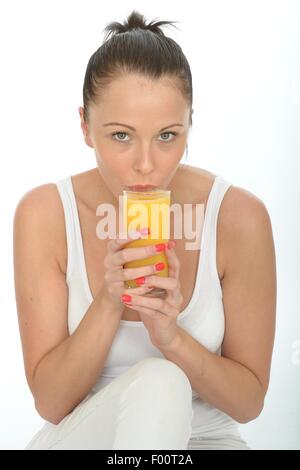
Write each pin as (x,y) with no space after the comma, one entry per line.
(136,21)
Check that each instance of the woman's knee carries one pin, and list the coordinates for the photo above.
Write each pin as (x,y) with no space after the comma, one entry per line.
(164,373)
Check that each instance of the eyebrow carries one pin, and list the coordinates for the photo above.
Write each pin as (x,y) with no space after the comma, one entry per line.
(133,129)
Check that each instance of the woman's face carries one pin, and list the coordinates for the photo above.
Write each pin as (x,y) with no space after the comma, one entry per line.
(145,147)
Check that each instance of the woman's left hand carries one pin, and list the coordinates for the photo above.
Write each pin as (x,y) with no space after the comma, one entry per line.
(159,315)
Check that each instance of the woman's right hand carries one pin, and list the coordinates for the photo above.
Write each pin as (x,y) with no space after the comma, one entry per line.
(115,275)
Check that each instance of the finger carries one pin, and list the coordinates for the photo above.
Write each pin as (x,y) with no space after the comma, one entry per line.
(136,290)
(143,271)
(173,261)
(171,285)
(161,305)
(168,283)
(121,240)
(148,311)
(130,254)
(129,274)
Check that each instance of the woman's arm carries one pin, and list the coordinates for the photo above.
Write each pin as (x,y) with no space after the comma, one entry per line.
(66,374)
(237,382)
(60,369)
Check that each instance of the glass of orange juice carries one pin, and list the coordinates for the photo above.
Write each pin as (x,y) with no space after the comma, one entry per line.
(148,209)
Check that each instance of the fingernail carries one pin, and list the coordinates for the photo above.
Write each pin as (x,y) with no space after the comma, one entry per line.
(159,266)
(140,281)
(171,244)
(145,231)
(160,247)
(126,298)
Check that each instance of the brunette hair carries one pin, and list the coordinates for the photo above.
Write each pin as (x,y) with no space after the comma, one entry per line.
(136,47)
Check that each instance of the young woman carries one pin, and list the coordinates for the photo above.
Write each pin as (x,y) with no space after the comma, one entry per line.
(113,369)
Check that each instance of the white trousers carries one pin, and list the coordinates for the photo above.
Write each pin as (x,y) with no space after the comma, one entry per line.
(147,407)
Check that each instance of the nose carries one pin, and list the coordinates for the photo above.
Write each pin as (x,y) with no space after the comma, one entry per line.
(144,161)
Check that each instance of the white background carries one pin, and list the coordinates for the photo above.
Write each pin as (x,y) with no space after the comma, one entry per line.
(245,58)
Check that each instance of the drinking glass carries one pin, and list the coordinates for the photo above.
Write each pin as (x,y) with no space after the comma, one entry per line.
(148,209)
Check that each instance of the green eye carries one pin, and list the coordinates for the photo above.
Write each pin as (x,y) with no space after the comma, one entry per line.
(168,134)
(120,134)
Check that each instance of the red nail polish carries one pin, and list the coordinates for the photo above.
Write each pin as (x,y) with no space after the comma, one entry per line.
(160,247)
(126,298)
(140,281)
(159,266)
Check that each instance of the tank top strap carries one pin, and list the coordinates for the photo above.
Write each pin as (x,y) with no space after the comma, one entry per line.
(209,235)
(72,225)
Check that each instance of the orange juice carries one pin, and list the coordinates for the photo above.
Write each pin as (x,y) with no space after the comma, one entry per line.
(147,209)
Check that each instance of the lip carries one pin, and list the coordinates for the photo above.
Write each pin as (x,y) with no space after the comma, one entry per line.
(141,187)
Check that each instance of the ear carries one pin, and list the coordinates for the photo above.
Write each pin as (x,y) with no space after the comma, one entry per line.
(84,128)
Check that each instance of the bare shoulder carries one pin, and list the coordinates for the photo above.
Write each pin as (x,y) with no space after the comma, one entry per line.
(244,226)
(40,210)
(242,213)
(39,201)
(238,206)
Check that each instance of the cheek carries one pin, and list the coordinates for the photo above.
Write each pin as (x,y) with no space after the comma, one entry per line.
(172,160)
(115,167)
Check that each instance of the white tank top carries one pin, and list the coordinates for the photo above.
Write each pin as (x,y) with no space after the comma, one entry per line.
(203,318)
